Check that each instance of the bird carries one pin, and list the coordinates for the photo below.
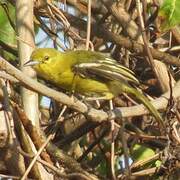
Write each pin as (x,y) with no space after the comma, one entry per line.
(88,73)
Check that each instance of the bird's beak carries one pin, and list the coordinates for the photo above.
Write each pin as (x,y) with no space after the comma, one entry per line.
(30,63)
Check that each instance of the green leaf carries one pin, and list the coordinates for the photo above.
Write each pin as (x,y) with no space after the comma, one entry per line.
(141,152)
(169,14)
(8,35)
(102,168)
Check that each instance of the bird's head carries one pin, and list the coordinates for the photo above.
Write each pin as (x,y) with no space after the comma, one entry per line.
(41,56)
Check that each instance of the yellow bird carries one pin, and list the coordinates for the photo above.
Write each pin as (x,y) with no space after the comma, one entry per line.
(89,73)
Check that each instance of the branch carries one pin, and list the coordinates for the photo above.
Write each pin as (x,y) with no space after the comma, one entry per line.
(138,48)
(92,114)
(132,45)
(53,150)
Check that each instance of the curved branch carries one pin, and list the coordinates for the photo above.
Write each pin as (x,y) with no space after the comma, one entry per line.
(102,31)
(92,114)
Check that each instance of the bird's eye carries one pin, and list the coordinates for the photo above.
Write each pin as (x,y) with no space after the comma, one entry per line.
(46,58)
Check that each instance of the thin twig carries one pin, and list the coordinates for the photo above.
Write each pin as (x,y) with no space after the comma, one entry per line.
(35,158)
(91,146)
(112,144)
(58,11)
(88,25)
(147,137)
(125,150)
(50,166)
(54,168)
(3,176)
(7,112)
(147,49)
(142,162)
(59,119)
(146,172)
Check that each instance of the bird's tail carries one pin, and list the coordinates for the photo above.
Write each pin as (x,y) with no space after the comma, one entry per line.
(123,87)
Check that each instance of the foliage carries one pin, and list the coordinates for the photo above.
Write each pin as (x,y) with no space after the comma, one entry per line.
(86,142)
(169,14)
(7,32)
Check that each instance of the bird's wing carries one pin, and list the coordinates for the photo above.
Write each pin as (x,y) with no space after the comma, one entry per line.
(106,69)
